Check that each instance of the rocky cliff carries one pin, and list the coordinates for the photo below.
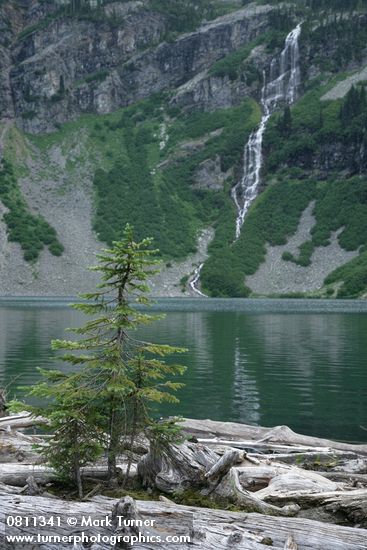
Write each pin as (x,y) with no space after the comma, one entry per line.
(63,66)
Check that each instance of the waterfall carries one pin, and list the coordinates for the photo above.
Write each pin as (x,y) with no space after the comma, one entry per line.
(281,86)
(195,281)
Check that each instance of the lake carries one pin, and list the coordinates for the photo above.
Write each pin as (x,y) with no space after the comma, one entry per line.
(302,363)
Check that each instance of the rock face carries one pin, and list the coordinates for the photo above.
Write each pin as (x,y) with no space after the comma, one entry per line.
(209,174)
(207,92)
(333,157)
(69,65)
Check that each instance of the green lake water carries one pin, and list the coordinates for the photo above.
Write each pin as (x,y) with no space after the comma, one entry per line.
(302,363)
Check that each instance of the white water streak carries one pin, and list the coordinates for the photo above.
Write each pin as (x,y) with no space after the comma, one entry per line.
(283,86)
(195,281)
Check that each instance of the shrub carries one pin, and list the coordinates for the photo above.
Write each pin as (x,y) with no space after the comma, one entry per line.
(30,231)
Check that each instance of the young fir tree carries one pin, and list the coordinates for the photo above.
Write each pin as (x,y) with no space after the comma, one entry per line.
(119,379)
(72,421)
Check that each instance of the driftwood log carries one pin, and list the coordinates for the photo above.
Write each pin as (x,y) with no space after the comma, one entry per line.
(17,474)
(207,529)
(17,447)
(175,468)
(21,420)
(257,470)
(281,435)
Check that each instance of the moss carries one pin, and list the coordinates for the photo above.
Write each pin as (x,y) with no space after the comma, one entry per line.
(191,497)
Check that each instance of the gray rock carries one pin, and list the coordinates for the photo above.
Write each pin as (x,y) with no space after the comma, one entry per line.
(209,175)
(72,66)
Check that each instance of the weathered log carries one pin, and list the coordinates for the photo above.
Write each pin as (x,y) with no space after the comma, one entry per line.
(224,464)
(174,468)
(317,458)
(21,420)
(231,490)
(346,477)
(357,466)
(290,544)
(9,489)
(352,504)
(209,529)
(32,488)
(17,474)
(256,478)
(262,446)
(17,447)
(296,481)
(281,435)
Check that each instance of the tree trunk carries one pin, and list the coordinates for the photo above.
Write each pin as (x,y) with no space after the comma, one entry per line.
(208,529)
(174,468)
(113,448)
(3,407)
(78,478)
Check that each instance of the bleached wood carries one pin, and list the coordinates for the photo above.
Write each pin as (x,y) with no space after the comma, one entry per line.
(225,463)
(21,420)
(210,529)
(281,435)
(17,474)
(175,468)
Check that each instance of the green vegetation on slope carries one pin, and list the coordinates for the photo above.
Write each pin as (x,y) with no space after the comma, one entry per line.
(339,204)
(272,218)
(351,278)
(295,138)
(311,124)
(322,5)
(30,231)
(337,39)
(155,189)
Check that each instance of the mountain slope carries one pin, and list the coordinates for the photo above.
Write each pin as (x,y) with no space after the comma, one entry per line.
(109,115)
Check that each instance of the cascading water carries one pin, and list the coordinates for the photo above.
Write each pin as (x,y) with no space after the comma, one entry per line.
(195,281)
(282,86)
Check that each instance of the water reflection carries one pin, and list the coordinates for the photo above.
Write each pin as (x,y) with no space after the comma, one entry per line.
(246,399)
(305,370)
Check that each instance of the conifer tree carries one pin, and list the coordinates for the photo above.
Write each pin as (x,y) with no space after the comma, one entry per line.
(285,122)
(111,395)
(72,420)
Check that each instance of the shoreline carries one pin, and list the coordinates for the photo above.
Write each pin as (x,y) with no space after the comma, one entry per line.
(256,305)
